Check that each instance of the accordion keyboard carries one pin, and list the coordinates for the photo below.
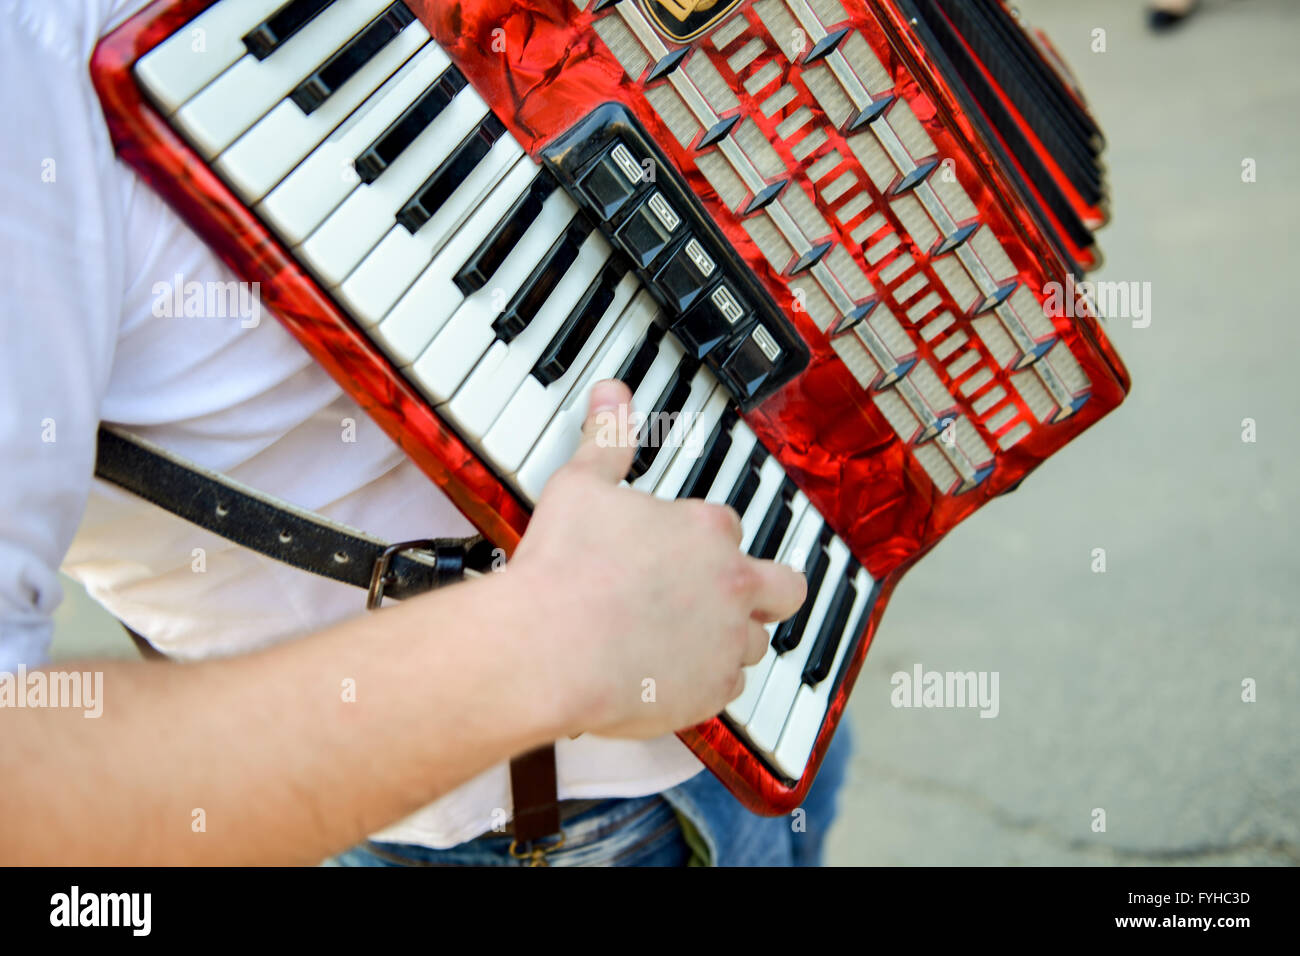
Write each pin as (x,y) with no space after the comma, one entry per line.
(358,143)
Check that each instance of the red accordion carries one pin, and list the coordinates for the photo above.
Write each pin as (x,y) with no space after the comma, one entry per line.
(814,236)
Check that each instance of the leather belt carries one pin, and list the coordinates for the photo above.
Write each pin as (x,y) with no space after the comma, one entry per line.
(310,542)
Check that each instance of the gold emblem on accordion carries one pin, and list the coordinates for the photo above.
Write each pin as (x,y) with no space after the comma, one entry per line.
(683,20)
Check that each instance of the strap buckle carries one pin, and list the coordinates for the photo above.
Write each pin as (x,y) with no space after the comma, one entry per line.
(381,577)
(534,853)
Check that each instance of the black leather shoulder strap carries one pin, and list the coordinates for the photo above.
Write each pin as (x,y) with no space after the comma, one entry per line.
(279,530)
(312,543)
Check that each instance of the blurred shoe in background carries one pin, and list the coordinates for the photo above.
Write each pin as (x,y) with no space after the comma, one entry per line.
(1164,14)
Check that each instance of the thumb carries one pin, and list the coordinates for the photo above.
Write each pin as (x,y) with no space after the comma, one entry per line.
(608,441)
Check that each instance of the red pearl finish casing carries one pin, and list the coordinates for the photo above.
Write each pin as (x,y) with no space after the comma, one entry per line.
(542,67)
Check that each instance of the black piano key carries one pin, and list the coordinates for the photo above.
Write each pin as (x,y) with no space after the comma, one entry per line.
(581,322)
(383,152)
(659,423)
(767,540)
(269,35)
(705,470)
(822,654)
(451,172)
(638,363)
(505,235)
(790,631)
(541,282)
(312,92)
(854,634)
(742,493)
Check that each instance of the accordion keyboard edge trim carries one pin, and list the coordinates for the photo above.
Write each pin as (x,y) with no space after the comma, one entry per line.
(823,427)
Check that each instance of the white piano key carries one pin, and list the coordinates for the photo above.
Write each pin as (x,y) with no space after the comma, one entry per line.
(353,229)
(282,138)
(450,351)
(247,91)
(786,677)
(488,387)
(561,438)
(196,54)
(679,469)
(390,268)
(296,207)
(418,316)
(770,476)
(680,436)
(530,409)
(741,709)
(810,705)
(733,464)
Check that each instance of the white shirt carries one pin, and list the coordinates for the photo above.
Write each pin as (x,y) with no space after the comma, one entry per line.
(84,245)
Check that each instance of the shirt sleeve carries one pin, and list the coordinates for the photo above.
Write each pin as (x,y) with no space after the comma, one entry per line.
(61,278)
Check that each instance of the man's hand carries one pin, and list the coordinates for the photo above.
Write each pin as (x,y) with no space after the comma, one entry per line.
(609,590)
(648,608)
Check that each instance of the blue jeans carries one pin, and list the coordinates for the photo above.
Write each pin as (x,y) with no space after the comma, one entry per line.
(647,831)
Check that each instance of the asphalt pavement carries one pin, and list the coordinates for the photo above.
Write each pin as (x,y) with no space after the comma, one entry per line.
(1122,691)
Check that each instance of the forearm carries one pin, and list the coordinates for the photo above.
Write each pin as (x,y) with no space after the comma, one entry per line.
(290,754)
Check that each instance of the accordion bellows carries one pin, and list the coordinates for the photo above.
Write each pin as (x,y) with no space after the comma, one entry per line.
(818,232)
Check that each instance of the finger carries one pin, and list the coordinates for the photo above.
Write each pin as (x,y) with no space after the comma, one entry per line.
(722,518)
(734,527)
(607,447)
(781,591)
(757,644)
(738,688)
